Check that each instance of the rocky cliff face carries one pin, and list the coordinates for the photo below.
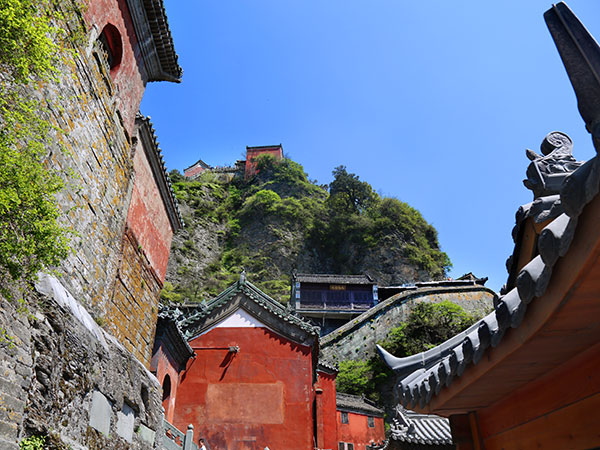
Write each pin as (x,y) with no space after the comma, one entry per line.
(279,221)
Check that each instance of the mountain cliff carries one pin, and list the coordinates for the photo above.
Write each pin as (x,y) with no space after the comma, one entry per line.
(279,220)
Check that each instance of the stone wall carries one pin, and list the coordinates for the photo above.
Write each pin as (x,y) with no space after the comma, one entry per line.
(85,105)
(65,378)
(132,310)
(356,340)
(110,196)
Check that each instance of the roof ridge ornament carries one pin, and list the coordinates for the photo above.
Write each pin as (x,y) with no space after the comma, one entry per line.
(546,173)
(243,277)
(580,54)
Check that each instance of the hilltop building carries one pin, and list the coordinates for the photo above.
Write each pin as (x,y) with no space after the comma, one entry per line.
(527,375)
(245,168)
(196,169)
(276,151)
(332,300)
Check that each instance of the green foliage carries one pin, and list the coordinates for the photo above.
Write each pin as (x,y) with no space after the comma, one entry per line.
(175,176)
(6,340)
(354,377)
(362,377)
(428,325)
(26,39)
(287,211)
(33,443)
(349,195)
(31,238)
(357,220)
(169,295)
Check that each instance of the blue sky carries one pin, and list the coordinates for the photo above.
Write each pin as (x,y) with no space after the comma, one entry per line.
(430,102)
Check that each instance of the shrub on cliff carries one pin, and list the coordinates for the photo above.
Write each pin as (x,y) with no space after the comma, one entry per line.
(31,237)
(428,325)
(358,220)
(280,220)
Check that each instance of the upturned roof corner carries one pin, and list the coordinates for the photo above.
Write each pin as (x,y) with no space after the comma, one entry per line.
(155,40)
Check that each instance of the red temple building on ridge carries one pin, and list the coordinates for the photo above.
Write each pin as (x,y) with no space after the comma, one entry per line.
(252,153)
(196,169)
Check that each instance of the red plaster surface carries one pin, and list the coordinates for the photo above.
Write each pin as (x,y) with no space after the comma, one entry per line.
(326,417)
(192,171)
(261,396)
(164,365)
(251,155)
(128,77)
(147,217)
(357,431)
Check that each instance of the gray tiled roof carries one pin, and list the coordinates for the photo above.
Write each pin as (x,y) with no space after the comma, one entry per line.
(356,403)
(425,374)
(202,163)
(194,319)
(155,41)
(415,428)
(332,278)
(328,366)
(173,338)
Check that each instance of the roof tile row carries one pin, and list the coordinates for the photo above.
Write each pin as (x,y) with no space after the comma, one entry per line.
(425,374)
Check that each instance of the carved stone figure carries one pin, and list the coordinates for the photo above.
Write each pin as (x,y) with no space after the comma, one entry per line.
(547,171)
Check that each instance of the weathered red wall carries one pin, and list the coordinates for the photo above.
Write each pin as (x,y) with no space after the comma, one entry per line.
(193,171)
(129,77)
(147,217)
(326,414)
(133,307)
(261,396)
(163,365)
(357,430)
(251,155)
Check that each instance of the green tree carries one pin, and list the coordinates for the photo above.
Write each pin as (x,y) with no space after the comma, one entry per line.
(31,237)
(428,325)
(354,377)
(348,194)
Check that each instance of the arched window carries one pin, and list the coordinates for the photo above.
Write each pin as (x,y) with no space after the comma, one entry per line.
(112,46)
(166,385)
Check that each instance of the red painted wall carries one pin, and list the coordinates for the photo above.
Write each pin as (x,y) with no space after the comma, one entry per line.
(326,411)
(129,77)
(261,396)
(163,364)
(193,171)
(357,431)
(251,154)
(147,217)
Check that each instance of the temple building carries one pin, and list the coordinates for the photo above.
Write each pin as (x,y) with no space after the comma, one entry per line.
(196,169)
(332,300)
(360,423)
(245,373)
(276,151)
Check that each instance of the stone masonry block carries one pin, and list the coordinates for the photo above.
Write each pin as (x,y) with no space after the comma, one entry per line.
(146,434)
(125,419)
(100,413)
